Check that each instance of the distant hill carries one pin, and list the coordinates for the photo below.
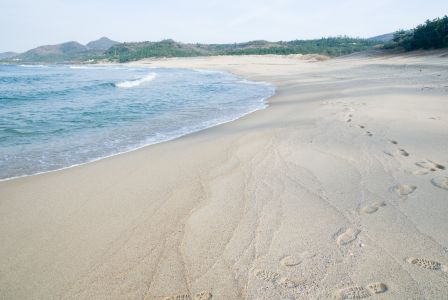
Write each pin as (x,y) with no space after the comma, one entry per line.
(5,55)
(103,43)
(169,48)
(383,38)
(106,49)
(64,53)
(54,53)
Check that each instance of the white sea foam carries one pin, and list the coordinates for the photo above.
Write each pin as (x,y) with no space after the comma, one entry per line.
(99,67)
(208,71)
(33,66)
(79,67)
(133,83)
(255,82)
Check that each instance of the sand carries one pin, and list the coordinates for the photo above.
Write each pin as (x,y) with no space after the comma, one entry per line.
(338,190)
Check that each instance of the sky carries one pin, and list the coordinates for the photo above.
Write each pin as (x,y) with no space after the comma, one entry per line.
(25,24)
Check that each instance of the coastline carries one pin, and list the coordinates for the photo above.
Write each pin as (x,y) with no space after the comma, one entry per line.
(183,131)
(308,198)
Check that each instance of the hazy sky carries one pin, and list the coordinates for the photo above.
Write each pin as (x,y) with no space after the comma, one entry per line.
(27,24)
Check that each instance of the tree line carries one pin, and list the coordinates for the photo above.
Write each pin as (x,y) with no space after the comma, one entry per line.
(333,46)
(433,34)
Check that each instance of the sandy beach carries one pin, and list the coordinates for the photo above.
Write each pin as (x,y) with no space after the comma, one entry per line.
(338,190)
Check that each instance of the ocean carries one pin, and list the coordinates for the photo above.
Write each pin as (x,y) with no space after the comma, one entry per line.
(56,116)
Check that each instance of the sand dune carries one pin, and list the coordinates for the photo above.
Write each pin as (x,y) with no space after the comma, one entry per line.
(337,191)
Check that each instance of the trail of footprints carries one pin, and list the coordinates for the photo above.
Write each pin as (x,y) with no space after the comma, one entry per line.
(346,236)
(425,167)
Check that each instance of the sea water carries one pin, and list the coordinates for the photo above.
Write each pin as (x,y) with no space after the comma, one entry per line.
(54,117)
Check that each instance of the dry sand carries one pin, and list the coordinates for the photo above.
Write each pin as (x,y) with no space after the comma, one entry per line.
(338,190)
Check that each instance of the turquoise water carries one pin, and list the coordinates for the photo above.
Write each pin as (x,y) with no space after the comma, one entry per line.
(53,117)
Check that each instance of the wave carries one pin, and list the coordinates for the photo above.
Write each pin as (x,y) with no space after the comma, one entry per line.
(134,83)
(245,81)
(98,67)
(33,66)
(202,71)
(79,67)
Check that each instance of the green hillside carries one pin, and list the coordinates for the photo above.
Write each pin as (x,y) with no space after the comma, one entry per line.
(169,48)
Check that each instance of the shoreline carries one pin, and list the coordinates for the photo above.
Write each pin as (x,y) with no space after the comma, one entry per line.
(264,100)
(135,149)
(329,191)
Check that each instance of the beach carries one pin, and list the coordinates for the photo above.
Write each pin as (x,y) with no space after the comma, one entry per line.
(338,190)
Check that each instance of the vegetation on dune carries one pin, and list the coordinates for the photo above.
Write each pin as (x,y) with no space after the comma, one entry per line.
(169,48)
(433,34)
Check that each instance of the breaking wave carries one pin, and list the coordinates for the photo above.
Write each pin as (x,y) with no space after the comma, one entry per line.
(136,82)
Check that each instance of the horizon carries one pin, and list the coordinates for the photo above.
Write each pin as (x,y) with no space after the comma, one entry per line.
(213,22)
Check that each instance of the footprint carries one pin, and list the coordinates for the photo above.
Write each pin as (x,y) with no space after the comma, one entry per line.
(427,264)
(388,153)
(288,283)
(403,152)
(440,182)
(404,189)
(291,261)
(394,142)
(362,126)
(369,133)
(377,287)
(420,172)
(359,292)
(353,292)
(430,165)
(179,297)
(370,209)
(266,275)
(204,295)
(198,296)
(347,236)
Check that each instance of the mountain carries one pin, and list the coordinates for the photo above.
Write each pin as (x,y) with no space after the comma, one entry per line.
(59,49)
(55,53)
(64,53)
(383,38)
(5,55)
(103,43)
